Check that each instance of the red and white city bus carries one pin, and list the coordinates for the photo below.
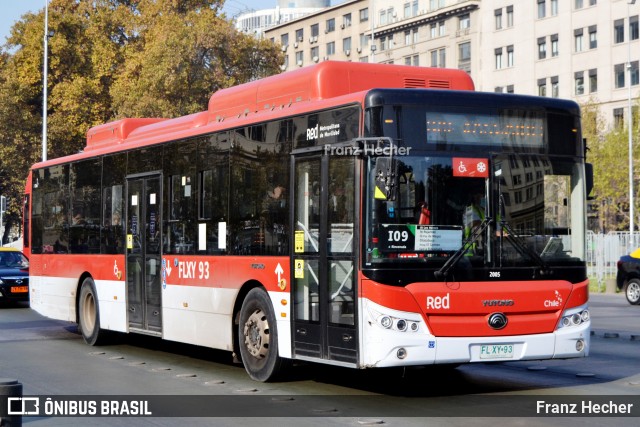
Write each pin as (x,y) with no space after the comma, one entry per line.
(360,215)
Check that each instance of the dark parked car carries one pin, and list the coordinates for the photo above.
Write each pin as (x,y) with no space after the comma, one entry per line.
(14,275)
(628,278)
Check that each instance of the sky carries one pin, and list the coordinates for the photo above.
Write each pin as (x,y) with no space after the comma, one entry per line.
(12,10)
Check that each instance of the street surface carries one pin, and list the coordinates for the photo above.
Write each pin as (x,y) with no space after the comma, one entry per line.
(50,359)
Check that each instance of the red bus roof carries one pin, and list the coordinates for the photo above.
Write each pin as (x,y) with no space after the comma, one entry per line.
(323,81)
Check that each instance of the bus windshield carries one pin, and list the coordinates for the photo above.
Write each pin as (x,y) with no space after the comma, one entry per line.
(514,204)
(517,205)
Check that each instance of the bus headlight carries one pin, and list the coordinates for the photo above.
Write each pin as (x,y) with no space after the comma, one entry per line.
(386,322)
(574,318)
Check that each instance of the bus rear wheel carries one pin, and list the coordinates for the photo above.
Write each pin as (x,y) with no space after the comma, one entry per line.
(89,314)
(258,337)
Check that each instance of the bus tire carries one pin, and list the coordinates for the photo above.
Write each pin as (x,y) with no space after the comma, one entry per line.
(89,313)
(258,335)
(632,291)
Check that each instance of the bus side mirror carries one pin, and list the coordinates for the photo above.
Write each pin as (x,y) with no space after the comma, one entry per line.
(588,172)
(386,178)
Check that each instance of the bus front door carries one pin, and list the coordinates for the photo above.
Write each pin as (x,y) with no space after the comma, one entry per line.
(323,260)
(143,227)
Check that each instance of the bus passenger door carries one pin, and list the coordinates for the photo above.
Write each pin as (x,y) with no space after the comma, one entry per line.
(323,258)
(144,208)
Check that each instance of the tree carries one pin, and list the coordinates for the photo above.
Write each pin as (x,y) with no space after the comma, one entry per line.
(608,151)
(110,59)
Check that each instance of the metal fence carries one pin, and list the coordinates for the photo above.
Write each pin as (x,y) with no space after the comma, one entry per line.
(603,252)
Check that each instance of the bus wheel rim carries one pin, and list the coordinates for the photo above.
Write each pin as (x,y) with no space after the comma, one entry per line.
(256,334)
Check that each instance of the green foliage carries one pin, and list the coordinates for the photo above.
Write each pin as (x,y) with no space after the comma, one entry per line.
(110,59)
(609,153)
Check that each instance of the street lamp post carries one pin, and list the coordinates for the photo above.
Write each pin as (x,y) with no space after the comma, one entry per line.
(45,67)
(631,198)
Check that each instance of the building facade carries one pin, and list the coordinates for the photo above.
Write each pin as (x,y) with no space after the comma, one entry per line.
(576,49)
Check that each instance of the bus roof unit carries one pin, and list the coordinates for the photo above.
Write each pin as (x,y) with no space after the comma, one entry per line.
(326,80)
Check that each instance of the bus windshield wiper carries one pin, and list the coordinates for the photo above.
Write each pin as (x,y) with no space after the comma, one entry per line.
(522,247)
(466,245)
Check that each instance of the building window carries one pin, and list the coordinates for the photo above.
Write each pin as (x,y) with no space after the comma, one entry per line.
(464,21)
(438,58)
(593,80)
(541,9)
(579,4)
(510,56)
(510,89)
(284,39)
(542,87)
(364,40)
(618,31)
(542,47)
(346,45)
(464,56)
(635,77)
(579,82)
(554,7)
(331,48)
(509,16)
(299,35)
(593,36)
(498,56)
(407,38)
(498,15)
(577,38)
(554,45)
(416,60)
(407,10)
(618,73)
(436,4)
(331,25)
(555,87)
(315,54)
(383,43)
(364,15)
(633,28)
(441,29)
(498,89)
(315,30)
(299,58)
(415,35)
(618,116)
(346,20)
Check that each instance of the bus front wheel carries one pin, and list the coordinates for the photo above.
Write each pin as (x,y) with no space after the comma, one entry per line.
(89,314)
(259,337)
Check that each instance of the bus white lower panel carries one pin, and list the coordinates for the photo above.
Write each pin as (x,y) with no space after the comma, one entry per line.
(54,297)
(281,309)
(388,346)
(198,315)
(112,303)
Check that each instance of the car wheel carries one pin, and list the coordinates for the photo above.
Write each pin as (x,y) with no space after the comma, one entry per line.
(632,291)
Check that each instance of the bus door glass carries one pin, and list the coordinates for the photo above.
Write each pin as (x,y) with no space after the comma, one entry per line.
(143,253)
(323,258)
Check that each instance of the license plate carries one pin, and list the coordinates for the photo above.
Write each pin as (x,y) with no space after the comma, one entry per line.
(19,289)
(496,351)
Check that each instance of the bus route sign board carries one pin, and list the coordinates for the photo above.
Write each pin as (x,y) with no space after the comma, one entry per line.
(422,238)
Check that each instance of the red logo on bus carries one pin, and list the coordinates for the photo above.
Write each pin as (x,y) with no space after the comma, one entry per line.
(470,168)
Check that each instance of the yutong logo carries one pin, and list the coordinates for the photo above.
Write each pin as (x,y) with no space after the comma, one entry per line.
(498,302)
(497,321)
